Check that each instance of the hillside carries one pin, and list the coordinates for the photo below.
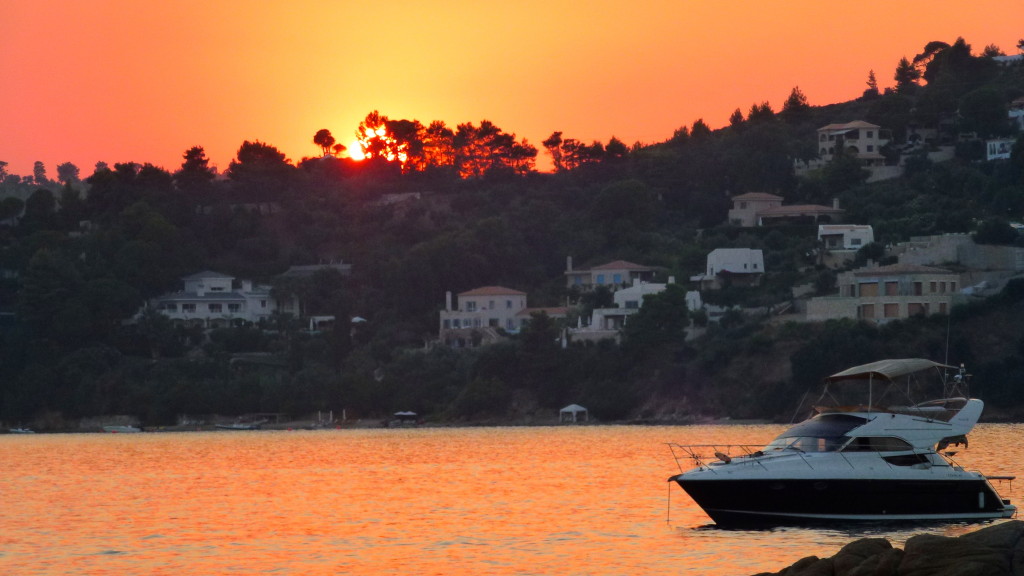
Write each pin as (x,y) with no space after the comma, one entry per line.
(79,259)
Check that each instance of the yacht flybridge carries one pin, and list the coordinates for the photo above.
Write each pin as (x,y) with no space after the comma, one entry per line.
(881,457)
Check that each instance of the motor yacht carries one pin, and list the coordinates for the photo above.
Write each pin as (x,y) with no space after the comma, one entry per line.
(881,458)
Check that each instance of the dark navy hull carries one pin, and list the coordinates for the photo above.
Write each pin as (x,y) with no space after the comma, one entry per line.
(779,502)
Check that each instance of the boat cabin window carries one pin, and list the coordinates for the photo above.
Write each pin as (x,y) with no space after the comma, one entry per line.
(880,444)
(907,459)
(824,433)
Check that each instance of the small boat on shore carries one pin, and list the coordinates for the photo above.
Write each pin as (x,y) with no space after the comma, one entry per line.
(881,458)
(21,431)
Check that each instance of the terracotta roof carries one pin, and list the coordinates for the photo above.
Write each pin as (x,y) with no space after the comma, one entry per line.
(555,312)
(848,125)
(900,269)
(492,291)
(757,196)
(620,265)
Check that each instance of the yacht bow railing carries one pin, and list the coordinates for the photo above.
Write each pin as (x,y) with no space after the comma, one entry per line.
(702,455)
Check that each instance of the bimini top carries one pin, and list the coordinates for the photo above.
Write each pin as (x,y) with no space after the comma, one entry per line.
(886,369)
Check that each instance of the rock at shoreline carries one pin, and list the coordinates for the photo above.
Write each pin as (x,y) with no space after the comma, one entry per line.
(991,551)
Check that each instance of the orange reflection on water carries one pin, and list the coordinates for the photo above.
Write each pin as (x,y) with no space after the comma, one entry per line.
(574,500)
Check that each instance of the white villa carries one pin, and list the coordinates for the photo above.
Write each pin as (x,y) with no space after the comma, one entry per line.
(845,236)
(743,266)
(214,300)
(608,322)
(481,312)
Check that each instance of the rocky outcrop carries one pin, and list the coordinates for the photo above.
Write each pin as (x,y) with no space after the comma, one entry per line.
(996,550)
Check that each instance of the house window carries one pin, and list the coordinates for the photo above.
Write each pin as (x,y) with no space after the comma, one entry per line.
(493,322)
(931,287)
(854,241)
(471,306)
(755,265)
(918,289)
(942,307)
(188,307)
(871,148)
(916,309)
(234,308)
(891,310)
(942,287)
(215,308)
(446,323)
(263,303)
(510,324)
(617,278)
(490,305)
(632,304)
(867,311)
(169,307)
(892,289)
(743,205)
(477,323)
(871,134)
(952,286)
(868,289)
(577,280)
(600,278)
(822,137)
(508,304)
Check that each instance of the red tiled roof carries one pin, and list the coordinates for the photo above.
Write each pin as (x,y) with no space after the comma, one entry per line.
(492,291)
(757,196)
(620,265)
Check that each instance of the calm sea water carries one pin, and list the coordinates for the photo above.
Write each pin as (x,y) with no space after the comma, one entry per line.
(567,500)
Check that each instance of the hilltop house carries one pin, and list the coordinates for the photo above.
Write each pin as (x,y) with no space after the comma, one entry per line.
(614,275)
(740,266)
(883,293)
(482,313)
(759,209)
(861,139)
(214,300)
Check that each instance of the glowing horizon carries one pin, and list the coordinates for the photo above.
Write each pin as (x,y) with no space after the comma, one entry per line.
(123,81)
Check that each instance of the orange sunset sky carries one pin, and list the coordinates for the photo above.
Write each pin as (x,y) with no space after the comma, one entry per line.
(129,80)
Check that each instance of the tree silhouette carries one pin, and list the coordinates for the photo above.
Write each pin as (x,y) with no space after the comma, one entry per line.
(324,140)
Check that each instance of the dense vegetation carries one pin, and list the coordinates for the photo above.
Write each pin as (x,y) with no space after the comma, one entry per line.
(84,256)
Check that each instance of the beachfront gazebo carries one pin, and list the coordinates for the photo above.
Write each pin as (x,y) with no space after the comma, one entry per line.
(573,413)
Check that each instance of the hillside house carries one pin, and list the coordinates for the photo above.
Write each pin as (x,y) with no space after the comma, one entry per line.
(614,275)
(608,322)
(739,266)
(861,139)
(761,209)
(884,293)
(480,316)
(845,236)
(999,148)
(214,300)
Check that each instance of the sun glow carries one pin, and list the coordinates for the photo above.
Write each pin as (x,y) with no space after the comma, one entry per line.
(355,151)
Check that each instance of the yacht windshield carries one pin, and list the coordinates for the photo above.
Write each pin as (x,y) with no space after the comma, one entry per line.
(824,433)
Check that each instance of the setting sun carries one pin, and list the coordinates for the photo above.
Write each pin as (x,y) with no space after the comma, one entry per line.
(355,151)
